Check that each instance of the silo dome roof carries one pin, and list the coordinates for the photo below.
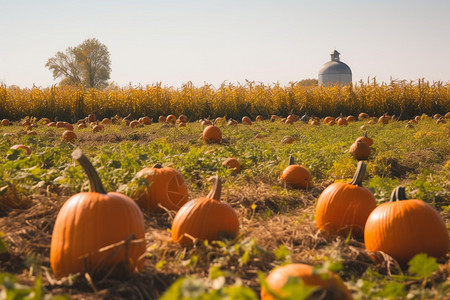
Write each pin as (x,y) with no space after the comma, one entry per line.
(335,67)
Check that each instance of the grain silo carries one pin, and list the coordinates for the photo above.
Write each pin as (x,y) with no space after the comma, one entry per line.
(335,72)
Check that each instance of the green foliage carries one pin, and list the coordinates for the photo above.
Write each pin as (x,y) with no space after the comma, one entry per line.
(422,266)
(3,247)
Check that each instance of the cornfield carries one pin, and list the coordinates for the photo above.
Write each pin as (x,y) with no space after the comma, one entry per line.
(400,98)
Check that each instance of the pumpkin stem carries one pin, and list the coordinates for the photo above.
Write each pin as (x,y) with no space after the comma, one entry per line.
(95,183)
(157,166)
(398,194)
(291,160)
(365,133)
(359,174)
(216,189)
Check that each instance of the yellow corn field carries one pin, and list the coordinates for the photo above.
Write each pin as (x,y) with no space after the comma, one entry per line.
(401,98)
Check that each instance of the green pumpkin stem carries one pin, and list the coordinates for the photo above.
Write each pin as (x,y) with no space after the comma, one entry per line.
(216,188)
(291,160)
(365,133)
(398,194)
(359,174)
(95,183)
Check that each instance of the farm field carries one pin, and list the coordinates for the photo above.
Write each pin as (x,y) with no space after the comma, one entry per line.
(277,222)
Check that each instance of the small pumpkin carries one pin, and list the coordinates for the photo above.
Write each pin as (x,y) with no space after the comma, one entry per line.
(106,121)
(206,122)
(91,118)
(384,119)
(24,147)
(329,286)
(344,207)
(287,139)
(68,136)
(183,118)
(296,176)
(259,118)
(167,188)
(328,119)
(403,228)
(362,116)
(96,231)
(135,124)
(162,119)
(171,119)
(342,122)
(205,218)
(212,134)
(232,122)
(81,125)
(350,118)
(97,128)
(273,118)
(5,122)
(360,150)
(246,121)
(232,163)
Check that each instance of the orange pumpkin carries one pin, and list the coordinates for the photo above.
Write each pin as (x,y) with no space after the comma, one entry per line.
(68,136)
(232,163)
(134,124)
(183,118)
(206,122)
(328,119)
(344,207)
(259,118)
(81,125)
(342,122)
(232,122)
(162,119)
(360,150)
(329,287)
(205,218)
(273,118)
(362,116)
(384,119)
(246,121)
(212,134)
(24,147)
(171,119)
(5,122)
(91,118)
(365,139)
(296,176)
(146,120)
(97,128)
(350,118)
(96,231)
(167,188)
(403,228)
(106,121)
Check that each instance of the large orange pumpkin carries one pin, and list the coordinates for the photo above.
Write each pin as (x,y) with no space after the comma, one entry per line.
(344,207)
(97,231)
(330,287)
(167,188)
(212,134)
(205,218)
(296,176)
(403,228)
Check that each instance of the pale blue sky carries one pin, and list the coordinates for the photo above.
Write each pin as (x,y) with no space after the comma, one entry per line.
(176,41)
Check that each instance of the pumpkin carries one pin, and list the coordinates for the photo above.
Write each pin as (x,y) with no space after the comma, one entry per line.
(97,128)
(171,119)
(362,116)
(371,122)
(417,118)
(329,286)
(384,119)
(68,136)
(51,124)
(328,119)
(360,150)
(259,118)
(342,122)
(315,122)
(296,176)
(61,124)
(437,116)
(134,124)
(447,115)
(106,121)
(91,118)
(24,147)
(97,231)
(350,118)
(183,118)
(167,188)
(182,124)
(146,120)
(232,122)
(403,228)
(273,118)
(205,218)
(365,139)
(246,121)
(81,126)
(5,122)
(206,122)
(289,121)
(212,134)
(232,163)
(162,119)
(344,207)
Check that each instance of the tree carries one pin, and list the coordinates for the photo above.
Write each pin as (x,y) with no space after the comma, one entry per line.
(87,64)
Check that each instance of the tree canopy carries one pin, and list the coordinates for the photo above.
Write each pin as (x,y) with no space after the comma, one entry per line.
(87,64)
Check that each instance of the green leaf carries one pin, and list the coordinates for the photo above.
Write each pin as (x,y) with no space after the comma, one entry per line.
(3,248)
(282,253)
(392,290)
(422,265)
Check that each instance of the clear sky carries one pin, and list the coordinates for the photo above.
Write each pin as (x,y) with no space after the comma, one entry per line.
(208,41)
